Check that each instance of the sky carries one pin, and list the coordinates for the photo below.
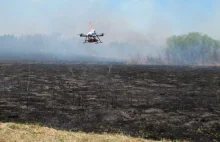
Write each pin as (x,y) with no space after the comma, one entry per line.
(137,22)
(69,17)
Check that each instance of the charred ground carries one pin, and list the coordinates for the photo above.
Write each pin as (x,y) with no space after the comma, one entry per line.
(174,102)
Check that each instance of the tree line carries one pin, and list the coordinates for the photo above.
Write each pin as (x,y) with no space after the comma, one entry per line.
(192,48)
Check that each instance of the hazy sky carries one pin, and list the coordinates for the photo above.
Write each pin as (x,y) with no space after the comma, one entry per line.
(127,20)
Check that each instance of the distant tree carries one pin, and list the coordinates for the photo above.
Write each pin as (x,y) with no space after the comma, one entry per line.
(193,48)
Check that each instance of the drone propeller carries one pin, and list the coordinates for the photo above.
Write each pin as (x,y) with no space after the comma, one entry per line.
(92,27)
(80,34)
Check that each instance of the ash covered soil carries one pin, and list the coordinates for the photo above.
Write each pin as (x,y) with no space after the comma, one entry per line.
(172,102)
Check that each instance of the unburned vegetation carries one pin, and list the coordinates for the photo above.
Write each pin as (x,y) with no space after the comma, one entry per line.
(11,132)
(152,102)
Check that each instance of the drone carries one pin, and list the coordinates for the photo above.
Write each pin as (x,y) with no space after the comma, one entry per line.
(92,36)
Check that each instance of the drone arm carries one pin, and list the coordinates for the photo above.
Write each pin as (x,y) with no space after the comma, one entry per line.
(102,34)
(82,35)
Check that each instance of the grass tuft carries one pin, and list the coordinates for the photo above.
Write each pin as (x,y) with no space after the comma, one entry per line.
(13,132)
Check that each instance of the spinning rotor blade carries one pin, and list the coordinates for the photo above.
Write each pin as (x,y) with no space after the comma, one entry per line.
(91,26)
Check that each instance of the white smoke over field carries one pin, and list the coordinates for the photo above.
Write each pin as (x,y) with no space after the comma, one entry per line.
(131,27)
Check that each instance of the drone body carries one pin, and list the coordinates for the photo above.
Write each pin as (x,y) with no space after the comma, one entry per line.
(92,36)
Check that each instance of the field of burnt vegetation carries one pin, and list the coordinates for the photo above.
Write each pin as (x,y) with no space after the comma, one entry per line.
(171,102)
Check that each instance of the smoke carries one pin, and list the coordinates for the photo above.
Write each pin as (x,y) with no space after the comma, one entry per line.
(131,27)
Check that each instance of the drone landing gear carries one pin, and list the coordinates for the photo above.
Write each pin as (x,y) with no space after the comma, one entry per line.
(85,40)
(93,39)
(99,39)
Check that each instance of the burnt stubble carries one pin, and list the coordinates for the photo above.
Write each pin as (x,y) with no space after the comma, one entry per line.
(172,102)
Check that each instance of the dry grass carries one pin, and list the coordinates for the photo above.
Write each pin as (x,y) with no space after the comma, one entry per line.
(13,132)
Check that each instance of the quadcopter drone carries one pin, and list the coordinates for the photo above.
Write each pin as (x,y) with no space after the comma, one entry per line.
(92,37)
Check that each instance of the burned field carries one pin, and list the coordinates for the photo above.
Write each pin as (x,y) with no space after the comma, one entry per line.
(144,101)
